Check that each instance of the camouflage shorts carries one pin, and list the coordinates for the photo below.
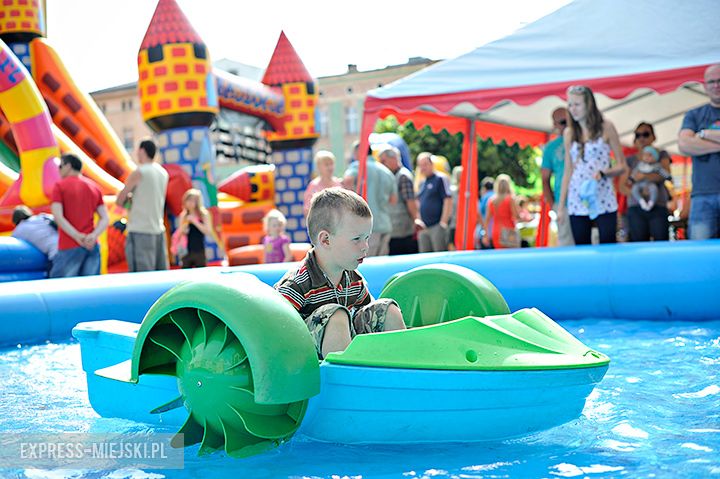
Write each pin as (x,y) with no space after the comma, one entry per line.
(368,319)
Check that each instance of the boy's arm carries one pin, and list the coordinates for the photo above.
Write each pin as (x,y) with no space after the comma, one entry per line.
(291,293)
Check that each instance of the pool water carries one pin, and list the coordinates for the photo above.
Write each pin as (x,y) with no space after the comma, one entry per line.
(656,414)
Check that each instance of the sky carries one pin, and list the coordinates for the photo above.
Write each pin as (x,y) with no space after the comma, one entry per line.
(98,40)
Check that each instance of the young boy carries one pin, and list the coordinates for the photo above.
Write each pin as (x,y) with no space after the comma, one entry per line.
(329,294)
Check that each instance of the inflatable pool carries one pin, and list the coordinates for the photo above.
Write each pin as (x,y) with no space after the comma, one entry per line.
(676,281)
(232,364)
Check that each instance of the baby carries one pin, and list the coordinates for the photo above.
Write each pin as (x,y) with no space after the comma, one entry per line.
(646,191)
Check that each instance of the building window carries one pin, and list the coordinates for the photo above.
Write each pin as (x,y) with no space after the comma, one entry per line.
(128,139)
(126,105)
(351,121)
(349,90)
(129,104)
(323,122)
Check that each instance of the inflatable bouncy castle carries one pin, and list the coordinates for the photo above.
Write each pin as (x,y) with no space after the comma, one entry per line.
(43,114)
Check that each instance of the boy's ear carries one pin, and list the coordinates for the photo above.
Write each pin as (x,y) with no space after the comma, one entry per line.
(324,238)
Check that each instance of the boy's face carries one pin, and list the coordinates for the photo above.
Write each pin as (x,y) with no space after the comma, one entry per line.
(648,157)
(348,247)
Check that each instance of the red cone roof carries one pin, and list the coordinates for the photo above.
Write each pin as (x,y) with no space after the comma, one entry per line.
(169,25)
(285,65)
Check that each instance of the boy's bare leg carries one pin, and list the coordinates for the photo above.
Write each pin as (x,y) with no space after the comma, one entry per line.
(337,333)
(394,319)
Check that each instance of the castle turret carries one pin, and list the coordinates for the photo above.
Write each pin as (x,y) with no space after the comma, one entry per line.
(175,84)
(292,143)
(20,22)
(178,99)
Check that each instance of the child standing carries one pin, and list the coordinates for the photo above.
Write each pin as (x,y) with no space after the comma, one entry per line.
(646,191)
(328,292)
(194,221)
(276,243)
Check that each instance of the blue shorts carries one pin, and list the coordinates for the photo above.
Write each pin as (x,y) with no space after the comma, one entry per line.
(704,221)
(76,262)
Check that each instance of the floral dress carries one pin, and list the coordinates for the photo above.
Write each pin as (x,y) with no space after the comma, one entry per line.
(596,157)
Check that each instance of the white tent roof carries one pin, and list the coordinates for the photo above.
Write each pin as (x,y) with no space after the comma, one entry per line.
(644,59)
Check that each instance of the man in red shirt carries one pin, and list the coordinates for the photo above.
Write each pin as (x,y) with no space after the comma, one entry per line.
(75,200)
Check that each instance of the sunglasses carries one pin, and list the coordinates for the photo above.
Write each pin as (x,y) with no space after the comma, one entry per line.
(577,89)
(643,134)
(562,122)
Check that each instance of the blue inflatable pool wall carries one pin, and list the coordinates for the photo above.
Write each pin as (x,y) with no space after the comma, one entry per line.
(640,281)
(20,261)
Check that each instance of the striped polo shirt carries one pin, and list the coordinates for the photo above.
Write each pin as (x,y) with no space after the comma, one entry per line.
(307,288)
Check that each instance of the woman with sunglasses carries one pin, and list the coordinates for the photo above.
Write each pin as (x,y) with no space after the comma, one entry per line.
(588,140)
(652,223)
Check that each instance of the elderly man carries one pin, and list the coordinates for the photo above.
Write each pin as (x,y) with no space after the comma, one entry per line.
(381,195)
(435,206)
(700,137)
(404,214)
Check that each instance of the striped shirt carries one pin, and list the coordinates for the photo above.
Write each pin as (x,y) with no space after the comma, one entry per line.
(307,288)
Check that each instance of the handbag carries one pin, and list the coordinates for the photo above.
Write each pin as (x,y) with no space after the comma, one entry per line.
(509,238)
(179,243)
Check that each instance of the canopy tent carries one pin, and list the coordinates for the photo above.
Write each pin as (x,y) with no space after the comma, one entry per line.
(643,59)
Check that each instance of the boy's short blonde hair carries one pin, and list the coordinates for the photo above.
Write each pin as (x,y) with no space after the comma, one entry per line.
(273,214)
(324,155)
(329,206)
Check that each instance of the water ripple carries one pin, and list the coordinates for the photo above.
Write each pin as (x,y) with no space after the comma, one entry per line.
(696,447)
(708,391)
(571,470)
(626,430)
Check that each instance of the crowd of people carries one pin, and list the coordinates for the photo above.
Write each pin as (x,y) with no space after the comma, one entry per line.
(584,172)
(411,212)
(588,180)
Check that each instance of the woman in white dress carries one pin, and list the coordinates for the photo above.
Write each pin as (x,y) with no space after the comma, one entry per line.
(587,188)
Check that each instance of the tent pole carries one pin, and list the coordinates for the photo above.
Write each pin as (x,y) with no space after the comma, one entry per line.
(465,194)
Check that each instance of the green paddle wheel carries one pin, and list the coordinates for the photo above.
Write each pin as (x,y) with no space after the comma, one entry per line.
(244,360)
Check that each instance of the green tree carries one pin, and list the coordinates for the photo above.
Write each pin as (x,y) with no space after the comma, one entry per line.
(493,158)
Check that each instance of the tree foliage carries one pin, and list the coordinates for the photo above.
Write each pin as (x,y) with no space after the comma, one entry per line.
(493,158)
